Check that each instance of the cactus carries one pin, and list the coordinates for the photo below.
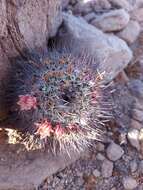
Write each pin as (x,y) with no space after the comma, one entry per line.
(58,100)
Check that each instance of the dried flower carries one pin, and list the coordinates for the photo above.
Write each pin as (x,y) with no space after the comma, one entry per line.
(27,102)
(44,129)
(59,130)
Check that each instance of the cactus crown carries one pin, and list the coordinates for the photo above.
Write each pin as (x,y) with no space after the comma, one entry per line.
(60,99)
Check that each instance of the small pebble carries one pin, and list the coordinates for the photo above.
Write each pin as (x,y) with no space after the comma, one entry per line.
(113,188)
(133,166)
(141,166)
(136,124)
(133,137)
(129,183)
(100,147)
(107,168)
(89,16)
(100,157)
(96,173)
(114,151)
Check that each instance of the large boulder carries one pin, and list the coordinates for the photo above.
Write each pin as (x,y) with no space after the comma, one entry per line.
(110,53)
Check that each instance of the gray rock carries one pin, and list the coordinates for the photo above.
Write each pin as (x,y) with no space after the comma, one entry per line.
(137,115)
(2,19)
(141,167)
(100,157)
(129,183)
(112,21)
(123,138)
(110,53)
(100,5)
(65,3)
(137,14)
(133,165)
(136,124)
(136,3)
(131,32)
(114,152)
(73,2)
(107,168)
(42,22)
(136,88)
(100,147)
(89,16)
(133,137)
(141,135)
(138,104)
(114,188)
(82,8)
(96,173)
(122,4)
(25,170)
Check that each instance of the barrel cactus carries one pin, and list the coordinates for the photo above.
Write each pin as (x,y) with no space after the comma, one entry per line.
(58,100)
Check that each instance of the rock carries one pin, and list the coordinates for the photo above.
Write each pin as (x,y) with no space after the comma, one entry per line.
(129,183)
(73,2)
(141,167)
(107,168)
(121,4)
(25,170)
(100,157)
(141,135)
(122,78)
(136,88)
(138,104)
(131,32)
(136,3)
(100,147)
(114,188)
(136,125)
(141,140)
(112,21)
(133,166)
(133,137)
(123,138)
(42,22)
(65,3)
(82,8)
(99,5)
(90,16)
(2,19)
(96,173)
(137,14)
(114,152)
(137,115)
(105,49)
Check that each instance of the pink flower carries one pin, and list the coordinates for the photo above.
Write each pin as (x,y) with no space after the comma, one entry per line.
(59,130)
(44,129)
(27,102)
